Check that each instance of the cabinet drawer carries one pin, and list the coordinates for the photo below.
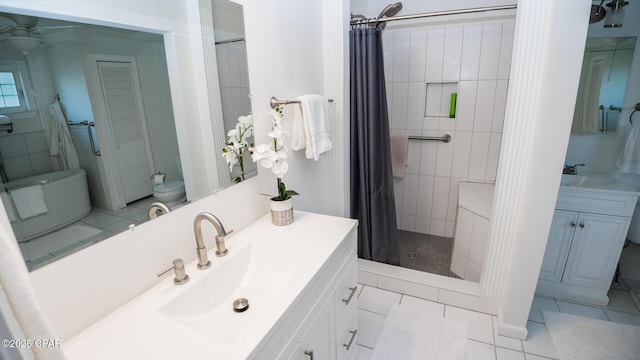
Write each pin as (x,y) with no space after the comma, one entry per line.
(346,291)
(347,335)
(597,203)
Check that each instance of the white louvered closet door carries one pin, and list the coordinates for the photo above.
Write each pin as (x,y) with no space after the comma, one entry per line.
(125,114)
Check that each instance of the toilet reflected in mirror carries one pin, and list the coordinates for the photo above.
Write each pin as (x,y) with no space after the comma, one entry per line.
(170,193)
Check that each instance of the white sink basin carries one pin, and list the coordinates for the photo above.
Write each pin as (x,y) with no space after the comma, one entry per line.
(207,305)
(572,180)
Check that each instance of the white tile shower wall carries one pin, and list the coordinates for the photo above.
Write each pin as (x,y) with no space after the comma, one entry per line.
(476,57)
(25,154)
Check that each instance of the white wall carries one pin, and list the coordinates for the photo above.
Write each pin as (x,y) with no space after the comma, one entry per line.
(285,50)
(474,60)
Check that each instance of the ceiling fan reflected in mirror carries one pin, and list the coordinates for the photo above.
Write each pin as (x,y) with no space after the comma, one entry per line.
(21,32)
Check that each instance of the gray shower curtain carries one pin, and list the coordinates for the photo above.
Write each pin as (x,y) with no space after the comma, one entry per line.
(372,199)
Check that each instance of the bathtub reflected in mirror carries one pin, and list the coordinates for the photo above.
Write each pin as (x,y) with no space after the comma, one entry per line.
(127,161)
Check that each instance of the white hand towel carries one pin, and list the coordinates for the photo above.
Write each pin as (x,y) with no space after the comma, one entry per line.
(29,201)
(4,119)
(629,159)
(298,138)
(399,153)
(312,122)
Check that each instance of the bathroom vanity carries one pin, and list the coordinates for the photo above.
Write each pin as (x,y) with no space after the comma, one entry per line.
(300,283)
(587,234)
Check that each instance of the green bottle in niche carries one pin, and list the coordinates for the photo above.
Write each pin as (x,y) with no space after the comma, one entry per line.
(452,109)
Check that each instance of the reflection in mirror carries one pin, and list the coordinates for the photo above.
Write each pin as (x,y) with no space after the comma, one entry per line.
(603,82)
(233,78)
(94,100)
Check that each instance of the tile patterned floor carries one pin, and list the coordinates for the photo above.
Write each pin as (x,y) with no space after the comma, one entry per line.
(110,222)
(484,342)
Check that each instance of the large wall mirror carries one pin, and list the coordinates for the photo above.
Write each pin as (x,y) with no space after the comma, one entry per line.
(88,138)
(603,83)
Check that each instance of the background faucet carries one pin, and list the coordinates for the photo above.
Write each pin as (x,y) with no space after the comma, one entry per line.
(155,207)
(221,250)
(571,169)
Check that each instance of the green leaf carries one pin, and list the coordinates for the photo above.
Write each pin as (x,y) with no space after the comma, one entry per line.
(283,193)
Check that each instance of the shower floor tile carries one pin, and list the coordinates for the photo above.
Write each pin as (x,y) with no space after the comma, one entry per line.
(424,252)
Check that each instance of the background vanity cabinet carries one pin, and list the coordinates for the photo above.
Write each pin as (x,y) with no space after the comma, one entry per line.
(587,234)
(322,323)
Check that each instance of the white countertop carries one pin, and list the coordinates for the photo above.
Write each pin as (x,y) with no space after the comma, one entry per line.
(602,183)
(137,330)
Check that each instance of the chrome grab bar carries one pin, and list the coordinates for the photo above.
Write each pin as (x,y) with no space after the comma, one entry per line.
(89,125)
(445,138)
(93,145)
(76,123)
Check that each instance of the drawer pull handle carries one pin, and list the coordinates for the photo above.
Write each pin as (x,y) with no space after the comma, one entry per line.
(353,291)
(581,226)
(572,224)
(309,353)
(353,336)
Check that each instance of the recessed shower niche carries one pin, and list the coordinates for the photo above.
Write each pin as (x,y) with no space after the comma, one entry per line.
(440,99)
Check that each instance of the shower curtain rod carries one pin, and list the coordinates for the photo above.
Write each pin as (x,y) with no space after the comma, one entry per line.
(433,14)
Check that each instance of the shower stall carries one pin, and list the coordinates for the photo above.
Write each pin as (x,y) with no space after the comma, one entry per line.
(444,80)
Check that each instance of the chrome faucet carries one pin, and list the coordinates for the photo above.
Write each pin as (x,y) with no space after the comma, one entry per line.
(571,169)
(153,210)
(221,250)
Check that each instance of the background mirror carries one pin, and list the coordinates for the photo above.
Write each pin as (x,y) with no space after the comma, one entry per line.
(116,79)
(603,82)
(233,77)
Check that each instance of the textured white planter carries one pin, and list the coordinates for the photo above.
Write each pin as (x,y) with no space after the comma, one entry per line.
(281,212)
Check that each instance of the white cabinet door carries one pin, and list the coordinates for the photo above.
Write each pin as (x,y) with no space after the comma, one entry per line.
(595,250)
(558,245)
(318,342)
